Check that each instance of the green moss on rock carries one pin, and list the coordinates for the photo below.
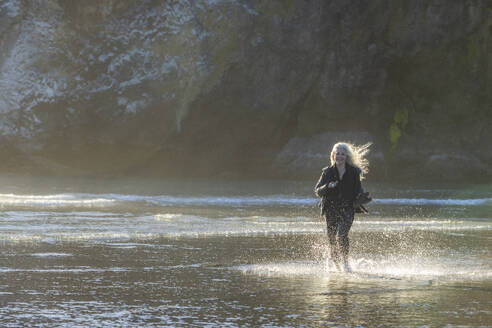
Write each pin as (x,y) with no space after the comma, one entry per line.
(400,121)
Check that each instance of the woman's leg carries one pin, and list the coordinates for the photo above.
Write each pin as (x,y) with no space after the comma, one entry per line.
(331,229)
(346,220)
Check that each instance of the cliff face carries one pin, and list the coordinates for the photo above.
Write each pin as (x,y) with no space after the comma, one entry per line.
(225,87)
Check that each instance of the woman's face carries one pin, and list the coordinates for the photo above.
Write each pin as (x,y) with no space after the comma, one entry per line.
(340,156)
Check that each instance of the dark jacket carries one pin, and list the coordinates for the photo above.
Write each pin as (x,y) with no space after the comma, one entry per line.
(345,191)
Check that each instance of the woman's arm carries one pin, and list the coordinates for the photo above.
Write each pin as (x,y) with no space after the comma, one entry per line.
(325,187)
(322,186)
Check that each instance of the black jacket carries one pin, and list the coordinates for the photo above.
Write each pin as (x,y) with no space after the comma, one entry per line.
(345,191)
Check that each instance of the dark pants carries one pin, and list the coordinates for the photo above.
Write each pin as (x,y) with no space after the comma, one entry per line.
(338,222)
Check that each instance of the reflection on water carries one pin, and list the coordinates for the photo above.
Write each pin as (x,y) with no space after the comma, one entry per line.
(273,280)
(120,254)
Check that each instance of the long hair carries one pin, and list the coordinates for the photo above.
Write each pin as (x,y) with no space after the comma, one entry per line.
(355,156)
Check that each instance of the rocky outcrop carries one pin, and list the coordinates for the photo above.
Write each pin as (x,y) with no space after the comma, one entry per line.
(251,88)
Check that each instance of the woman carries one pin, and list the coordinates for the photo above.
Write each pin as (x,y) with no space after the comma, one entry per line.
(338,188)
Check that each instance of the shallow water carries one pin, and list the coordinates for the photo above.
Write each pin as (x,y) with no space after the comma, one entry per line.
(79,252)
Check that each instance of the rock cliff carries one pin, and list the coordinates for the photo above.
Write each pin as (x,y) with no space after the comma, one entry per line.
(242,87)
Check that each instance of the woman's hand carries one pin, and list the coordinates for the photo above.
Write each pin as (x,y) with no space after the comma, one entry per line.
(332,184)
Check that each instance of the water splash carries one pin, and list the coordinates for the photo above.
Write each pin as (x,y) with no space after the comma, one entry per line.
(416,269)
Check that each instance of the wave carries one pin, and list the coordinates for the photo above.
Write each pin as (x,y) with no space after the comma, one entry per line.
(52,227)
(65,270)
(427,225)
(165,200)
(111,199)
(426,201)
(58,200)
(91,200)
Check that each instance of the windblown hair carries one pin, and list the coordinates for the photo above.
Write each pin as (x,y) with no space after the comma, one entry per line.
(355,156)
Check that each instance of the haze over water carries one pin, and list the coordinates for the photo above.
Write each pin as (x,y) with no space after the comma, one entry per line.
(81,252)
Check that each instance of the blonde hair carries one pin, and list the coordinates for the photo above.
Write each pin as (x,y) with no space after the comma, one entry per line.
(355,156)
